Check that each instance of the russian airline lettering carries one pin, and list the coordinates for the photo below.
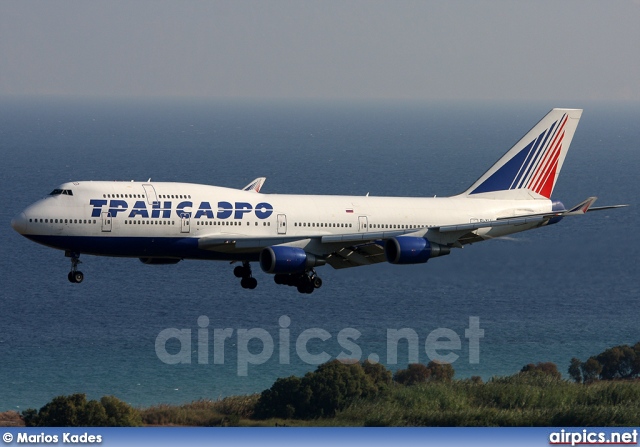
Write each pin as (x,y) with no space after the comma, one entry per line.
(184,209)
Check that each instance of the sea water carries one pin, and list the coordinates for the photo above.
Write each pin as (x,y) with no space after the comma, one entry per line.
(545,295)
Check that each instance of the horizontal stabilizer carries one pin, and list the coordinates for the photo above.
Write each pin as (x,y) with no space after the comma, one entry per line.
(586,206)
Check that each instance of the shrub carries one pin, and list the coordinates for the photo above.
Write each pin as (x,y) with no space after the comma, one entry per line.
(285,399)
(415,373)
(542,368)
(119,414)
(419,373)
(380,375)
(575,370)
(75,411)
(440,372)
(334,385)
(331,387)
(591,369)
(618,362)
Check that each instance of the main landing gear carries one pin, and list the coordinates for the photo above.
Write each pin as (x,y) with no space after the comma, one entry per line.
(244,272)
(305,282)
(74,275)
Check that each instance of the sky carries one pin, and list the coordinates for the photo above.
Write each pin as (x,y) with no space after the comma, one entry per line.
(306,49)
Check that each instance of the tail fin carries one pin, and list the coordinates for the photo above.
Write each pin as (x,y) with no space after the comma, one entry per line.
(531,167)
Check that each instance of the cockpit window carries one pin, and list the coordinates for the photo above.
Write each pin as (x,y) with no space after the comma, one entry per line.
(57,192)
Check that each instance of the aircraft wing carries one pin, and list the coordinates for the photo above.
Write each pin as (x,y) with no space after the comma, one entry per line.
(578,210)
(366,248)
(340,251)
(466,233)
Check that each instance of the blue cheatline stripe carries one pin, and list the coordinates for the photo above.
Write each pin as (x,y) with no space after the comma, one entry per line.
(137,247)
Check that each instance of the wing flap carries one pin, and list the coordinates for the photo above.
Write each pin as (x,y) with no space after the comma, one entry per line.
(356,256)
(219,243)
(365,237)
(494,223)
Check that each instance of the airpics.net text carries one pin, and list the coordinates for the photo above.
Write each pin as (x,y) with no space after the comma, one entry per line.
(256,346)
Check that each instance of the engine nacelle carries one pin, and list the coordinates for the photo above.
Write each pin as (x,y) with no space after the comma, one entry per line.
(281,259)
(556,206)
(159,261)
(412,250)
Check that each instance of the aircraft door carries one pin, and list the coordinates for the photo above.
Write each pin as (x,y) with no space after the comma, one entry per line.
(363,224)
(185,224)
(106,222)
(282,224)
(150,192)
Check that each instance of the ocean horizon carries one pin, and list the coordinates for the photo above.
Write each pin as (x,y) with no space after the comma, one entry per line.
(569,290)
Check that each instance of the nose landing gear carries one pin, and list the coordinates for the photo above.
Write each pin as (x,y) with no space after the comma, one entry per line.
(75,275)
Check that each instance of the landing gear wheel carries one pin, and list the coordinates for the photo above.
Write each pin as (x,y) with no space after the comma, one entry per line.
(244,272)
(249,283)
(74,275)
(280,279)
(305,285)
(317,282)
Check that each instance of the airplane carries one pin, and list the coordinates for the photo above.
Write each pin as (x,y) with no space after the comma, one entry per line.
(290,235)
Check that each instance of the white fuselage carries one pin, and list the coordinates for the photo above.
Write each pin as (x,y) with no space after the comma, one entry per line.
(167,219)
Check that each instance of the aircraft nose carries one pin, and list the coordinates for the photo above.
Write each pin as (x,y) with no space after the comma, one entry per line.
(19,223)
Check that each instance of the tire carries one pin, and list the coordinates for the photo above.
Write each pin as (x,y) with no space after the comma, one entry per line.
(317,282)
(78,277)
(239,272)
(71,277)
(253,283)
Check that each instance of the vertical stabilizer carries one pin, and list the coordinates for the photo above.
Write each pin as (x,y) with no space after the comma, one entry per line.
(530,169)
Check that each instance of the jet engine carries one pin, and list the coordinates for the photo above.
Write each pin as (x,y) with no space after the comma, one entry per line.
(412,250)
(281,259)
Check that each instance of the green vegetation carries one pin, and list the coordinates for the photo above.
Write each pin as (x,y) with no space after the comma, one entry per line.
(418,373)
(605,392)
(76,411)
(619,362)
(230,411)
(332,387)
(511,401)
